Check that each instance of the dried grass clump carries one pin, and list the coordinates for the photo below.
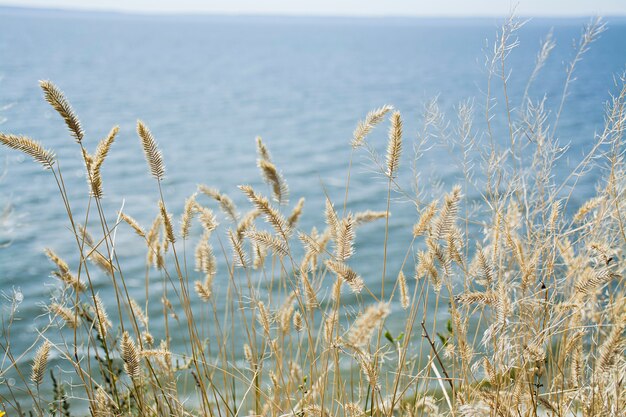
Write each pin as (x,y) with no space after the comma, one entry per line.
(515,307)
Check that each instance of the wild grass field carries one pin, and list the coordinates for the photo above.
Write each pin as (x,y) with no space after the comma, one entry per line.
(529,291)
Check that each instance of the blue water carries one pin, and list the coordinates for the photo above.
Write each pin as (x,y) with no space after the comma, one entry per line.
(206,86)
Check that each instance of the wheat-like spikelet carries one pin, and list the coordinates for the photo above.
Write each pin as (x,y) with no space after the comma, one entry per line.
(102,322)
(364,127)
(226,204)
(262,149)
(394,146)
(203,291)
(187,216)
(138,312)
(347,274)
(370,370)
(592,280)
(482,265)
(588,207)
(298,321)
(64,273)
(98,159)
(207,219)
(247,222)
(259,253)
(345,237)
(167,222)
(293,218)
(285,312)
(423,224)
(404,293)
(57,100)
(102,405)
(205,260)
(488,298)
(309,291)
(40,362)
(30,147)
(151,151)
(331,220)
(363,327)
(368,216)
(270,174)
(447,214)
(263,317)
(67,315)
(133,224)
(152,238)
(269,241)
(613,346)
(273,216)
(130,355)
(240,256)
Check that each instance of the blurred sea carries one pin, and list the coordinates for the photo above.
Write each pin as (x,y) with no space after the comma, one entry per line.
(207,85)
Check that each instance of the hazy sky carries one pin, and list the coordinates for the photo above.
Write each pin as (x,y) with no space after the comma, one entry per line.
(346,7)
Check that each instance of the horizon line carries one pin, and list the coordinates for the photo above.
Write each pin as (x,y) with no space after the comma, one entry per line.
(191,13)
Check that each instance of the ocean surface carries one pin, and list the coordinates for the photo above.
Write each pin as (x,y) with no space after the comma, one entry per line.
(208,85)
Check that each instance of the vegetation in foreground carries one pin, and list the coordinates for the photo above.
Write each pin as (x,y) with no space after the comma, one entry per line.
(535,295)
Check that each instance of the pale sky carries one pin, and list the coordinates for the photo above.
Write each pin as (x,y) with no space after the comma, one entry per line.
(345,7)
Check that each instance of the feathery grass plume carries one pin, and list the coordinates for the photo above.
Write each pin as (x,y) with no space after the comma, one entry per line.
(247,222)
(102,405)
(138,312)
(133,224)
(613,346)
(203,290)
(268,241)
(298,321)
(98,159)
(593,279)
(364,127)
(368,216)
(259,253)
(102,322)
(394,146)
(273,216)
(423,224)
(226,204)
(130,355)
(57,100)
(67,315)
(346,273)
(481,267)
(295,214)
(30,147)
(40,362)
(64,273)
(331,219)
(285,312)
(151,151)
(187,216)
(370,369)
(588,207)
(240,256)
(487,298)
(280,190)
(263,317)
(363,327)
(345,237)
(167,222)
(262,149)
(404,293)
(152,239)
(205,260)
(447,214)
(309,291)
(207,218)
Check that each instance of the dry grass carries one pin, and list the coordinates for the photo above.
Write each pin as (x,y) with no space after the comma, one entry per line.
(536,310)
